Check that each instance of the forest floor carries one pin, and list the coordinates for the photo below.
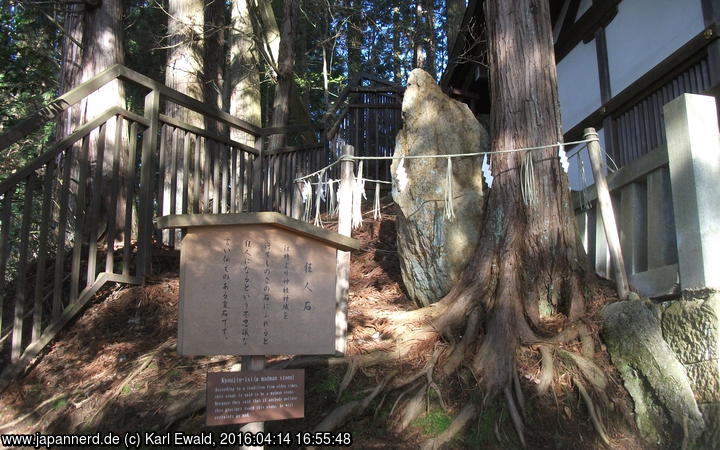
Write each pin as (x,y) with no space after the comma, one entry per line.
(116,369)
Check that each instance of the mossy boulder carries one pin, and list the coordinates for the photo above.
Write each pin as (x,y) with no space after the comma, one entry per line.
(666,411)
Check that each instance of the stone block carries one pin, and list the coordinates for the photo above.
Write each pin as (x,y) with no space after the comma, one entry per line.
(656,380)
(692,329)
(711,436)
(693,139)
(705,380)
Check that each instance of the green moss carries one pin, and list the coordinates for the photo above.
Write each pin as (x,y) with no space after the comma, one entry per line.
(329,385)
(433,423)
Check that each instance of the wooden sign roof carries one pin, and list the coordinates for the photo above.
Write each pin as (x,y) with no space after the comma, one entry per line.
(337,240)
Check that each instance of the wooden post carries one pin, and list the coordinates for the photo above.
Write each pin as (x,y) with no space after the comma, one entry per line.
(342,278)
(149,144)
(258,177)
(608,216)
(249,364)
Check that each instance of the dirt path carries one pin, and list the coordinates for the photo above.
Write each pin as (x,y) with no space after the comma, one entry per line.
(116,369)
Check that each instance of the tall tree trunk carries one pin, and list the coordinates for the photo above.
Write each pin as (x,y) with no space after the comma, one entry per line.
(184,73)
(301,61)
(70,65)
(430,47)
(419,37)
(269,33)
(214,60)
(454,11)
(244,76)
(243,81)
(286,62)
(102,47)
(354,38)
(396,50)
(530,253)
(185,55)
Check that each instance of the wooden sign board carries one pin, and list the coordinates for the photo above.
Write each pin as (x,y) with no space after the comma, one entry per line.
(259,396)
(264,285)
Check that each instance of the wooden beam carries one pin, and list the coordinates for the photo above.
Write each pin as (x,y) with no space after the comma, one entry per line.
(608,215)
(65,101)
(260,218)
(11,371)
(599,15)
(342,276)
(669,68)
(187,101)
(64,143)
(205,133)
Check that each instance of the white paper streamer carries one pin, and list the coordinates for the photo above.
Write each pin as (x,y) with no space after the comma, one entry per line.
(318,200)
(563,157)
(306,191)
(487,172)
(449,210)
(401,176)
(376,204)
(331,205)
(357,195)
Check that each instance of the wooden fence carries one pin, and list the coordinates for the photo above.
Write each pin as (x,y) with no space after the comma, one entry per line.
(642,201)
(62,238)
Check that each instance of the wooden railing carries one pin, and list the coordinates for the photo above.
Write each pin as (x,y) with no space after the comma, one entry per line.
(368,118)
(642,200)
(81,214)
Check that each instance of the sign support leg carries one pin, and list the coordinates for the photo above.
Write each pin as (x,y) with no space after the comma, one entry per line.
(251,364)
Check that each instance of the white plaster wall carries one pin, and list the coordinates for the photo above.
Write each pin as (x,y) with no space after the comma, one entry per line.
(575,154)
(644,32)
(578,84)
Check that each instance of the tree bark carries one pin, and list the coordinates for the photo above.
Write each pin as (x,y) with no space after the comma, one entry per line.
(102,47)
(354,38)
(530,253)
(244,76)
(214,59)
(70,67)
(454,11)
(430,42)
(185,55)
(286,61)
(396,50)
(184,73)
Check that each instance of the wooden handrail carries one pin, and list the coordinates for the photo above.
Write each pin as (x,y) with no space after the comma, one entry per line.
(187,101)
(51,111)
(207,134)
(64,143)
(54,108)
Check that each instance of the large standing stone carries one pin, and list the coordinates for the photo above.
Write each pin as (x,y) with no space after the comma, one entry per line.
(665,406)
(434,250)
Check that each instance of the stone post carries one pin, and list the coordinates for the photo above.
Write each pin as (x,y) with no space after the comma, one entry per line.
(691,126)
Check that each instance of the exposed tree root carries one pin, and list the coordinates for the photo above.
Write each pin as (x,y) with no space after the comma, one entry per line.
(11,425)
(515,416)
(594,416)
(342,414)
(458,424)
(547,369)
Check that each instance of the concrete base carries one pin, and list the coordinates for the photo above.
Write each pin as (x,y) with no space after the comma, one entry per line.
(656,283)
